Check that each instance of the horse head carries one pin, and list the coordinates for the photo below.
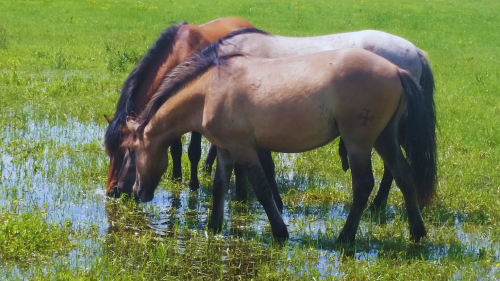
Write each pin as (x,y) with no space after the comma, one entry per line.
(121,171)
(146,162)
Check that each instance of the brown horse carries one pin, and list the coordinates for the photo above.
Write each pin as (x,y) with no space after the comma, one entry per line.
(174,45)
(242,104)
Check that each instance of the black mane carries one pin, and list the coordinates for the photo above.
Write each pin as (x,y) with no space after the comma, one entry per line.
(149,64)
(188,71)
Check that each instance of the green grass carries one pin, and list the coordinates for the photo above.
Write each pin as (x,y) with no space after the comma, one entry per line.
(29,236)
(62,64)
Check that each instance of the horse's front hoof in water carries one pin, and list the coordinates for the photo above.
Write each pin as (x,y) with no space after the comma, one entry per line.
(215,225)
(281,237)
(194,185)
(343,241)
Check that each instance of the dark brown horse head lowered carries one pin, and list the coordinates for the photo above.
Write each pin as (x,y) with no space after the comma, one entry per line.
(121,171)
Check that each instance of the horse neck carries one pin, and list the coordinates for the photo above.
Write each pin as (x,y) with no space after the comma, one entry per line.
(181,113)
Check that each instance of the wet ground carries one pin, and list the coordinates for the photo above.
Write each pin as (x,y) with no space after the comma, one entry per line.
(61,168)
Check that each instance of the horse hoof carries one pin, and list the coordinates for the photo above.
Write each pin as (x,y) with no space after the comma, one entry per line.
(344,240)
(194,185)
(281,237)
(215,226)
(417,234)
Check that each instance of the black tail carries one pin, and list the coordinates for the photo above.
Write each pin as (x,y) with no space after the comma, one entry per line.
(427,80)
(420,138)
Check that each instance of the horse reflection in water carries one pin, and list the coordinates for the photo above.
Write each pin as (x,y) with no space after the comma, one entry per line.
(242,104)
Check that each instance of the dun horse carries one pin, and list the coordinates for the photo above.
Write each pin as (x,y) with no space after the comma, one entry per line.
(397,50)
(174,45)
(295,104)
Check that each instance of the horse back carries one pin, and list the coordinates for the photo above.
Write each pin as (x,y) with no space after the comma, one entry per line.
(317,94)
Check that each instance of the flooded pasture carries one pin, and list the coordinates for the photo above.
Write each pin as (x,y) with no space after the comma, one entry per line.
(60,167)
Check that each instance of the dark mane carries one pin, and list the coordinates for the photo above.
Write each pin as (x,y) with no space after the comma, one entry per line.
(136,84)
(187,72)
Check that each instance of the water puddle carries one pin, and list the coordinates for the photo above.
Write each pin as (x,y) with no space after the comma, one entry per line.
(62,183)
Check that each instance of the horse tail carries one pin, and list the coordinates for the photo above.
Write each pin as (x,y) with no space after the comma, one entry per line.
(427,80)
(420,138)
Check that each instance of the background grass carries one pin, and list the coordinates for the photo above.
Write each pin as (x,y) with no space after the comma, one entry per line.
(62,64)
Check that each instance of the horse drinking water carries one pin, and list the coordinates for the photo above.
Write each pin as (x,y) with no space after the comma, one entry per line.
(294,104)
(174,45)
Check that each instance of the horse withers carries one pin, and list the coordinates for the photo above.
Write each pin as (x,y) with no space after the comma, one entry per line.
(295,104)
(174,45)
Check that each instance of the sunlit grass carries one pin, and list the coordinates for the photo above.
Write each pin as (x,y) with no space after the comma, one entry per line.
(29,236)
(62,64)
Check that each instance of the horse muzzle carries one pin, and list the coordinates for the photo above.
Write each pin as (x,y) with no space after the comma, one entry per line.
(144,191)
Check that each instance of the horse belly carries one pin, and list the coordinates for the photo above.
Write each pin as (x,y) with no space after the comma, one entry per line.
(289,128)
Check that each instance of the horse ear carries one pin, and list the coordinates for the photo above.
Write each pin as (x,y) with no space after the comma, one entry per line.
(132,125)
(108,119)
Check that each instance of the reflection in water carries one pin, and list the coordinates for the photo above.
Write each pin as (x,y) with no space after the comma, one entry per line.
(62,184)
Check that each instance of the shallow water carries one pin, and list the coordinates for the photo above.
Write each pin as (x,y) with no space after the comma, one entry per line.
(65,186)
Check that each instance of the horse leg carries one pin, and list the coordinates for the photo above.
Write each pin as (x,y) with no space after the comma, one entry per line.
(362,186)
(240,182)
(221,183)
(257,177)
(209,162)
(343,155)
(380,201)
(194,153)
(389,149)
(266,160)
(176,153)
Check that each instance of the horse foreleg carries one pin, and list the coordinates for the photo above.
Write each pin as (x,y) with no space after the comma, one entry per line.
(257,178)
(194,153)
(209,162)
(176,153)
(362,186)
(221,183)
(266,160)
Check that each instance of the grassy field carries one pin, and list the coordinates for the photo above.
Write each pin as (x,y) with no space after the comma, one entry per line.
(62,64)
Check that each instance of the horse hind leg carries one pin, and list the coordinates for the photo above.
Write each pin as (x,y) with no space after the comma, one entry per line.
(362,186)
(343,155)
(390,151)
(209,162)
(194,153)
(380,201)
